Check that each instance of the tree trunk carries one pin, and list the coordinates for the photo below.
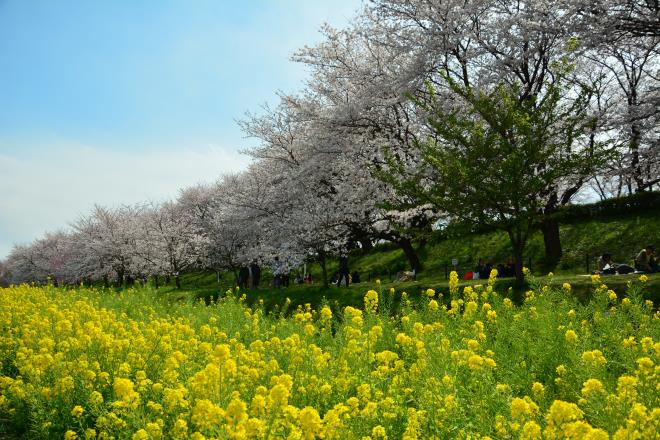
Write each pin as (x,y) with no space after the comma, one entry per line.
(234,270)
(324,269)
(635,138)
(177,281)
(411,255)
(156,281)
(366,245)
(552,241)
(518,257)
(120,278)
(518,246)
(105,281)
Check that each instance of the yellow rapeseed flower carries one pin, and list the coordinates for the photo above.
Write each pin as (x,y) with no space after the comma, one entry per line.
(523,408)
(77,411)
(371,301)
(592,387)
(629,342)
(378,432)
(531,431)
(475,362)
(538,388)
(141,435)
(571,336)
(594,357)
(563,412)
(453,283)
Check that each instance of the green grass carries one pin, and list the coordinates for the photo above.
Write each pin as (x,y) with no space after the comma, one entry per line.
(581,241)
(621,236)
(339,297)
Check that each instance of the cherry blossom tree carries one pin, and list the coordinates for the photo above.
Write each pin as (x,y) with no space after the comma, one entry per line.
(377,93)
(170,241)
(629,61)
(108,239)
(494,158)
(45,259)
(4,274)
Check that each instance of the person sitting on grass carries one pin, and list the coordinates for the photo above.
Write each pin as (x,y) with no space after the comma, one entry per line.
(483,269)
(406,275)
(607,267)
(645,261)
(506,270)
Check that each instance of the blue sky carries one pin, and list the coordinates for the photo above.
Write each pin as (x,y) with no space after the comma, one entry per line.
(116,102)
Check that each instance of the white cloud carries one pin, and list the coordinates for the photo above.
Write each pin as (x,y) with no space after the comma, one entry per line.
(46,189)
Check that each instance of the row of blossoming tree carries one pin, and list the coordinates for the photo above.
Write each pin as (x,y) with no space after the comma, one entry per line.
(420,113)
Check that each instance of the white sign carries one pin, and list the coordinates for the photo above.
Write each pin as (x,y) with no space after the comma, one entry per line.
(454,261)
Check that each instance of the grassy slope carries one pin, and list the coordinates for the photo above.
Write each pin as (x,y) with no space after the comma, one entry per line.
(621,236)
(339,297)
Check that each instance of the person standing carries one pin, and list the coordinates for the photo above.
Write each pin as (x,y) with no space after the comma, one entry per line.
(277,272)
(243,277)
(256,274)
(343,270)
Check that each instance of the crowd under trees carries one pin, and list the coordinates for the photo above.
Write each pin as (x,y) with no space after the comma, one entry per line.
(420,113)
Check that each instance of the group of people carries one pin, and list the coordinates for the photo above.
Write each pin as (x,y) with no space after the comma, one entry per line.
(281,275)
(645,262)
(249,276)
(302,278)
(482,271)
(344,274)
(351,278)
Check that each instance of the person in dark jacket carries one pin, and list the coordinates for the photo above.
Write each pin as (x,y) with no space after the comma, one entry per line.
(243,277)
(343,270)
(256,274)
(483,269)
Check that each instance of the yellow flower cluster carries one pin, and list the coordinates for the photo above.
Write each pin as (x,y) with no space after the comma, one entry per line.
(453,283)
(371,301)
(88,364)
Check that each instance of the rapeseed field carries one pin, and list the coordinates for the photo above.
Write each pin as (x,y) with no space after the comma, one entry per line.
(470,364)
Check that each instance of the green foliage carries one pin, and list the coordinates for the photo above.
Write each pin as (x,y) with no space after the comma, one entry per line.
(493,160)
(498,157)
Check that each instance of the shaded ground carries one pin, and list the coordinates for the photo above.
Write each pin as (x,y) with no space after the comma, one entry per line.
(339,297)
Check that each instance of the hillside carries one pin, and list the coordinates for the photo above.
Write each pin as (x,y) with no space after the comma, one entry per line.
(581,240)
